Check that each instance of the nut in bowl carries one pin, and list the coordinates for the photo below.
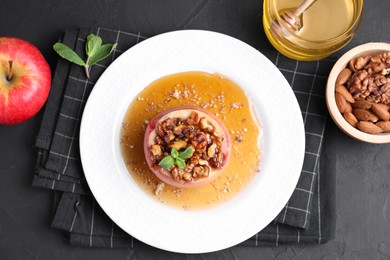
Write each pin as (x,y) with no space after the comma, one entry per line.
(358,93)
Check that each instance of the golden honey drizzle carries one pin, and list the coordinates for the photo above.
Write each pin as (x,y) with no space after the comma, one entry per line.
(215,93)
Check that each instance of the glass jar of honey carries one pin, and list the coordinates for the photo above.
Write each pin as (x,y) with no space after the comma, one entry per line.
(325,27)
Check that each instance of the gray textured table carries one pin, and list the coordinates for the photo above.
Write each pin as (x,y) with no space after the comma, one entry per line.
(363,170)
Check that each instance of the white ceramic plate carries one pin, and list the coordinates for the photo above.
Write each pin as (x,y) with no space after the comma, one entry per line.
(173,229)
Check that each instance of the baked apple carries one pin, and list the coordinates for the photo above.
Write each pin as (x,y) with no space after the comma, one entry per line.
(186,146)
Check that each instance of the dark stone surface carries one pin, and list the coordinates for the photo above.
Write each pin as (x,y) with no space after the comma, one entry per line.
(363,170)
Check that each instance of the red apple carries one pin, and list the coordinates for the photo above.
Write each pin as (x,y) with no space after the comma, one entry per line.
(208,124)
(25,80)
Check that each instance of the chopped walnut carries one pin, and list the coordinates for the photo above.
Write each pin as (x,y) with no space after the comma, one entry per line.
(176,94)
(156,149)
(186,93)
(211,150)
(178,145)
(195,132)
(235,105)
(159,188)
(177,191)
(204,124)
(239,138)
(370,79)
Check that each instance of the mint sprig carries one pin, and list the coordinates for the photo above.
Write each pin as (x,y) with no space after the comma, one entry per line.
(94,49)
(177,158)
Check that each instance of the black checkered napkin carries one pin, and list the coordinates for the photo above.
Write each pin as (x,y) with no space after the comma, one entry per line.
(58,139)
(86,223)
(59,165)
(312,204)
(308,81)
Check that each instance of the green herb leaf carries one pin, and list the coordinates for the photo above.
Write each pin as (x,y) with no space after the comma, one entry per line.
(92,45)
(167,162)
(174,153)
(180,162)
(68,54)
(187,153)
(101,53)
(94,49)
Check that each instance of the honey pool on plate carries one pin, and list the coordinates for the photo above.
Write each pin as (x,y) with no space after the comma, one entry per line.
(216,94)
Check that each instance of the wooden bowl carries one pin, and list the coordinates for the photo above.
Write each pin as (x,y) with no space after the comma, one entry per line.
(362,50)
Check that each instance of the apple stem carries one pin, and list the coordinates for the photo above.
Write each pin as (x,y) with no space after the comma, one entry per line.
(9,76)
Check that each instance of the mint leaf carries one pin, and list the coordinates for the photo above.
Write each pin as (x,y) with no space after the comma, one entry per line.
(167,162)
(92,45)
(174,153)
(94,49)
(187,153)
(68,54)
(180,162)
(101,53)
(176,158)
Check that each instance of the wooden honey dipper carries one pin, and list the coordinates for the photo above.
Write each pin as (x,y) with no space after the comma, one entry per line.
(292,20)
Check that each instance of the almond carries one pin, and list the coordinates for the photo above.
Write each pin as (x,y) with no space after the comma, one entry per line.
(343,76)
(350,118)
(341,102)
(385,125)
(382,111)
(343,91)
(348,108)
(373,117)
(369,127)
(362,104)
(364,115)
